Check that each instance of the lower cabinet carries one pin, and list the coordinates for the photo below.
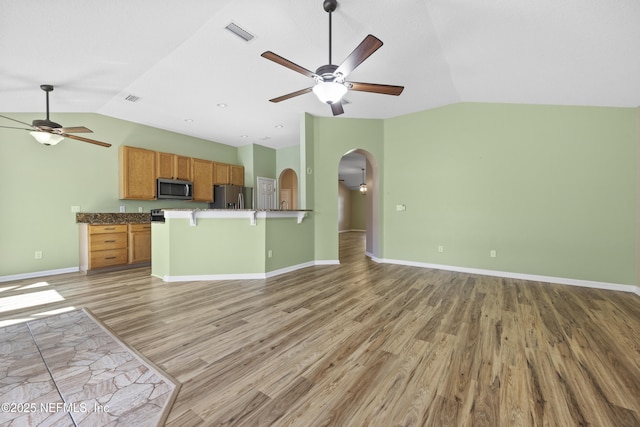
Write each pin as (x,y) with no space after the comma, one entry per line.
(139,243)
(114,245)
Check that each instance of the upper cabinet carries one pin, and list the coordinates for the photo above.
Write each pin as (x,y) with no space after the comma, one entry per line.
(224,173)
(202,173)
(140,169)
(173,166)
(137,173)
(237,174)
(221,174)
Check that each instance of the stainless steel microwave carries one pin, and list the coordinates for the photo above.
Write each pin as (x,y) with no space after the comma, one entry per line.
(174,189)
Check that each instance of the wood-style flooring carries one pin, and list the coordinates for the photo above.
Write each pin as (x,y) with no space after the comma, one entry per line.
(366,344)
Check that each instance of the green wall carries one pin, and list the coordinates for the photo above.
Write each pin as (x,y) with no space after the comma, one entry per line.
(333,138)
(551,189)
(39,185)
(289,242)
(226,246)
(288,158)
(358,210)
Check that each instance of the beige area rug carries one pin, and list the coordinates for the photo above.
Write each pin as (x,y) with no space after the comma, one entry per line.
(71,370)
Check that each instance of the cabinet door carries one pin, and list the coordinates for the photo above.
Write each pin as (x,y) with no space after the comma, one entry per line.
(139,243)
(164,165)
(221,173)
(202,174)
(137,173)
(182,167)
(237,174)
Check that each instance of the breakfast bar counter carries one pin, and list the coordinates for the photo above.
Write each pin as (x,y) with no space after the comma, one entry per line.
(219,244)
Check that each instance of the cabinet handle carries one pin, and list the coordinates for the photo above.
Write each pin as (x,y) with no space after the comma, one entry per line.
(109,228)
(110,257)
(109,241)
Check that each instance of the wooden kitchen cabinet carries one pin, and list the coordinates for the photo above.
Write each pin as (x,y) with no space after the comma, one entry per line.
(202,174)
(173,166)
(224,173)
(182,166)
(139,243)
(221,173)
(137,173)
(237,174)
(103,246)
(114,245)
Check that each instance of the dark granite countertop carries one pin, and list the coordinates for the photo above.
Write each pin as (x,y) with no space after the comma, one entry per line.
(112,218)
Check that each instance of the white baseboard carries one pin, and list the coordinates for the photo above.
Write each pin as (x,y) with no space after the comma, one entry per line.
(510,275)
(249,276)
(252,276)
(35,274)
(326,262)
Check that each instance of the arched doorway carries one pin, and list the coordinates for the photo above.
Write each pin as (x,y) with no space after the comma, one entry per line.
(358,210)
(288,189)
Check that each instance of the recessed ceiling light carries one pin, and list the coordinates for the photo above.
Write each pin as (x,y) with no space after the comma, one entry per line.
(188,120)
(244,136)
(279,126)
(222,105)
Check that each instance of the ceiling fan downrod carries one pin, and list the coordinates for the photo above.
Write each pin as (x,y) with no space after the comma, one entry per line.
(47,89)
(330,6)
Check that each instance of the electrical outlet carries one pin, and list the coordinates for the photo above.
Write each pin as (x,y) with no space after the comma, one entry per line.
(269,253)
(441,249)
(139,208)
(401,208)
(493,253)
(75,209)
(38,255)
(122,209)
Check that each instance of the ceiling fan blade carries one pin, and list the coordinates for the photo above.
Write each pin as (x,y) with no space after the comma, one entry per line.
(286,63)
(18,121)
(91,141)
(13,127)
(291,95)
(375,88)
(364,50)
(336,108)
(74,129)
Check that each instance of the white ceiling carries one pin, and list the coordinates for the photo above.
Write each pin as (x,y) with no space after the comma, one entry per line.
(178,58)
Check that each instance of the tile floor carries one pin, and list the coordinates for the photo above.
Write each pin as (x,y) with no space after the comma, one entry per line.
(69,368)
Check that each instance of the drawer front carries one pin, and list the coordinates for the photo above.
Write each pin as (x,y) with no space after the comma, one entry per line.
(100,242)
(108,258)
(108,228)
(135,228)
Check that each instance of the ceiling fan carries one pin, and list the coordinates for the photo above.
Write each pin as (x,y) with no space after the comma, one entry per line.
(47,132)
(331,85)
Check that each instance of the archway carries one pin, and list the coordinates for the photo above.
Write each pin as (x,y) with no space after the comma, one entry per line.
(358,167)
(288,189)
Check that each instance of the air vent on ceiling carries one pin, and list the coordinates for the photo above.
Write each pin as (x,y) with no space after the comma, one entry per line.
(240,32)
(132,98)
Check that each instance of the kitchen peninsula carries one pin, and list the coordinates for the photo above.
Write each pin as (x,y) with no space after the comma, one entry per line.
(217,244)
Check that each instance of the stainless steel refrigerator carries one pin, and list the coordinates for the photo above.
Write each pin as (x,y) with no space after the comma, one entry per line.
(232,197)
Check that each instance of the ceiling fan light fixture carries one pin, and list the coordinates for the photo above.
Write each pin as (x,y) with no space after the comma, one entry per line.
(46,138)
(329,92)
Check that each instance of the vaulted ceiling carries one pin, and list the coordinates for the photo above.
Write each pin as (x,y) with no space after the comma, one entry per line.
(191,75)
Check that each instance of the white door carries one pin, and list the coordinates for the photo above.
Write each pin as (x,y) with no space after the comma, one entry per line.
(266,193)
